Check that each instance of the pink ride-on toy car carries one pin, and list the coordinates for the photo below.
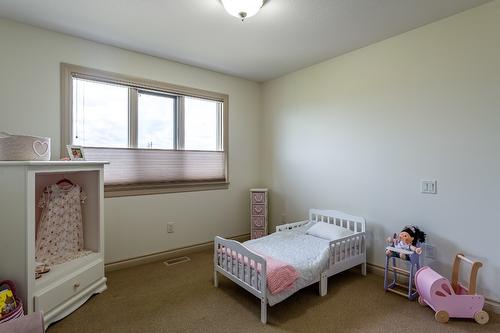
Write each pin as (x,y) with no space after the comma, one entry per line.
(451,300)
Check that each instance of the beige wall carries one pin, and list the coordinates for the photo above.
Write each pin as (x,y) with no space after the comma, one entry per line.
(357,133)
(135,226)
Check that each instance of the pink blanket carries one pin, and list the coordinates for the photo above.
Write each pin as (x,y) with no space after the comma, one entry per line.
(280,275)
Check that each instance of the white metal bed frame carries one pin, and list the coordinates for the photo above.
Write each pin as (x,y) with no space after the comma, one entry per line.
(345,253)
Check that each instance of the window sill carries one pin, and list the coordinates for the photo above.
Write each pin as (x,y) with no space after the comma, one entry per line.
(113,191)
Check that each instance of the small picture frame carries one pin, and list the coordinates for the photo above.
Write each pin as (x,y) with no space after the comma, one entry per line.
(76,153)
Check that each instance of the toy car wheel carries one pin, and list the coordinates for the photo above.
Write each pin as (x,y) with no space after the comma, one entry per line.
(421,301)
(481,317)
(442,316)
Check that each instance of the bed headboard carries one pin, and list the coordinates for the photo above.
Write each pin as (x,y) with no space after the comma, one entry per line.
(351,222)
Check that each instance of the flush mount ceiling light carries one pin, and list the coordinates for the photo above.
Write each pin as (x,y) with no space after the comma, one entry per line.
(242,8)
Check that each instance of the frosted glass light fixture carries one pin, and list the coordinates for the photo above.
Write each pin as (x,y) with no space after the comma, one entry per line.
(242,8)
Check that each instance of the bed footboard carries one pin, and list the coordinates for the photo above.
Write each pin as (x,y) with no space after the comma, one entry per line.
(345,253)
(348,252)
(242,266)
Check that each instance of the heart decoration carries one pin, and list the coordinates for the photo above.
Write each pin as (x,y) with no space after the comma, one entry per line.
(40,148)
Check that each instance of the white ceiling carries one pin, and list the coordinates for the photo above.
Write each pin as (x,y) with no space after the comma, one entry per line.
(284,36)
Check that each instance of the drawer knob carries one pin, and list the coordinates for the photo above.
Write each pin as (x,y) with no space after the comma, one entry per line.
(76,285)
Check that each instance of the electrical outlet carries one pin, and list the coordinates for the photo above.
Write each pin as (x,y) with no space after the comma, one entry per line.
(170,227)
(283,218)
(428,186)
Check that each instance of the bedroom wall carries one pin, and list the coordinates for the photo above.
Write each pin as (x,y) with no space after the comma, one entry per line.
(357,133)
(134,226)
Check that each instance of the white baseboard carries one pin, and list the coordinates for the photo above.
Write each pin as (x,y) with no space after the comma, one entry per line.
(490,304)
(165,255)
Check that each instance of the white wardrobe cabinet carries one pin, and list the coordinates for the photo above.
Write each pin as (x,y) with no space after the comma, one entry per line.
(68,285)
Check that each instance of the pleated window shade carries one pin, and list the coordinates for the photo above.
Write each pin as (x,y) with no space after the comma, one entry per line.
(148,166)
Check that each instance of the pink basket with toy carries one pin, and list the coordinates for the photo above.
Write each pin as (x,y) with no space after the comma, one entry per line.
(451,299)
(11,306)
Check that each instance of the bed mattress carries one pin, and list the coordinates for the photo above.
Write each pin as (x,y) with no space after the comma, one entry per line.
(308,254)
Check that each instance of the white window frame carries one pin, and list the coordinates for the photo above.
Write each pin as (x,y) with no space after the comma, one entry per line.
(135,85)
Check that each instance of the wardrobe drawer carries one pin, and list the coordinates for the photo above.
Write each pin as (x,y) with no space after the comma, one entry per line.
(63,289)
(258,197)
(258,221)
(258,233)
(258,210)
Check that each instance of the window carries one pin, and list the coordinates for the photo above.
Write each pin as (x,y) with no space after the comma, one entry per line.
(201,119)
(100,114)
(158,137)
(156,121)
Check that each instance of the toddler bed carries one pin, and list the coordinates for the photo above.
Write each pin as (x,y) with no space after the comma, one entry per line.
(276,266)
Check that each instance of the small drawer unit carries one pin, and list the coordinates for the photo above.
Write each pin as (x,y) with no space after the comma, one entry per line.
(258,212)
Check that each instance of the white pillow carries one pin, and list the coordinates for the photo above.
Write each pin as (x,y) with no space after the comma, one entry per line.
(328,231)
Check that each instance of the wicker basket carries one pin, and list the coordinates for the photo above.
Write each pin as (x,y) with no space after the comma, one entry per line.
(24,148)
(18,311)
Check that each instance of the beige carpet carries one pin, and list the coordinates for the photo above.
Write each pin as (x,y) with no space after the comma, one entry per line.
(181,298)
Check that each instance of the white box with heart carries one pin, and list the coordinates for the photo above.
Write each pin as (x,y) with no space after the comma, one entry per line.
(24,148)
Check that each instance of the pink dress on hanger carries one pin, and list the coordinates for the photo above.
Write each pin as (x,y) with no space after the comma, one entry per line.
(60,231)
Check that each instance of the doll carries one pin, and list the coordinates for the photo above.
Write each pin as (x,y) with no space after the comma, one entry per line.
(408,239)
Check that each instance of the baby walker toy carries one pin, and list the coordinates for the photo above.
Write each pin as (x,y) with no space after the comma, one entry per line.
(405,246)
(451,300)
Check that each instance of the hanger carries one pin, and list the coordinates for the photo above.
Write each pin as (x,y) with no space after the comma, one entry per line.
(65,180)
(62,181)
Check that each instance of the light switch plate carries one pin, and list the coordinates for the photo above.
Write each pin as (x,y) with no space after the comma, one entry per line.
(428,186)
